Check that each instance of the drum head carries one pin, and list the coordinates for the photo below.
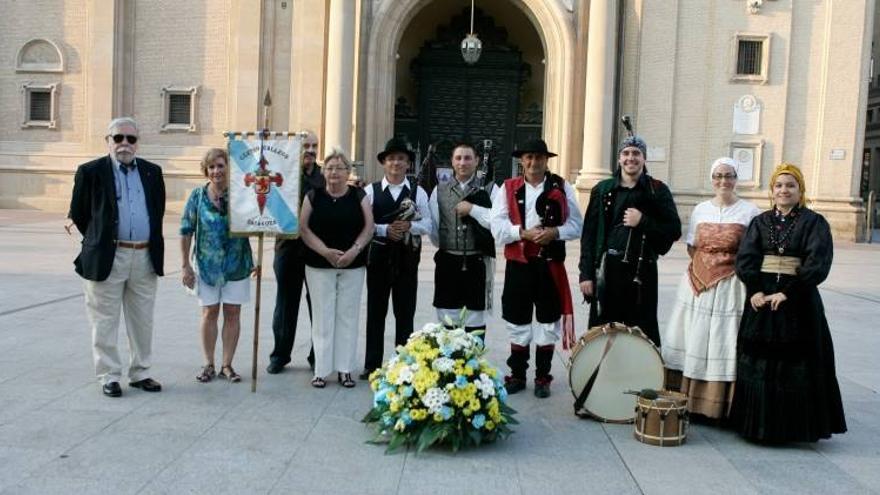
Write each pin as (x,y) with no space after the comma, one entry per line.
(632,363)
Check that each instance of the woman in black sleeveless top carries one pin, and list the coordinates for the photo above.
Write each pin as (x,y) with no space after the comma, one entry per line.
(337,223)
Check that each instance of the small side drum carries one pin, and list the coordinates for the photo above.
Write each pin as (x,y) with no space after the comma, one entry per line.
(662,421)
(607,361)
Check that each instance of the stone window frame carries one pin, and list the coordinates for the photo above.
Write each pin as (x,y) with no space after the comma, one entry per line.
(29,88)
(764,76)
(193,93)
(757,147)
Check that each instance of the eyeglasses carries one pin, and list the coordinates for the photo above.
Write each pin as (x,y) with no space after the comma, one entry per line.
(335,169)
(723,176)
(117,138)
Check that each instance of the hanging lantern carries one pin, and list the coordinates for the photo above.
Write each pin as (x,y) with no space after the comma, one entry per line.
(471,46)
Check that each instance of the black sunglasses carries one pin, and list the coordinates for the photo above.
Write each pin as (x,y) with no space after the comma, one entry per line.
(117,138)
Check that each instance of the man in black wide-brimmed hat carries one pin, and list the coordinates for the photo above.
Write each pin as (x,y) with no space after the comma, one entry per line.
(395,251)
(532,216)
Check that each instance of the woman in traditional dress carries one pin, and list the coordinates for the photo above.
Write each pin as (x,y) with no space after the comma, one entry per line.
(224,264)
(699,343)
(786,387)
(337,223)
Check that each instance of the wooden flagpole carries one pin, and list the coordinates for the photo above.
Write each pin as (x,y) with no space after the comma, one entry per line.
(267,102)
(260,237)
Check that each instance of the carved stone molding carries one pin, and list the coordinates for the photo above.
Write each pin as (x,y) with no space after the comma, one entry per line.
(39,55)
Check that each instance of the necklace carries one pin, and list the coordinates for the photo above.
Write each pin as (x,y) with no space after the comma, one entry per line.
(780,233)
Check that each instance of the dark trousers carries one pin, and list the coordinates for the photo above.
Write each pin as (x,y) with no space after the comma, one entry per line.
(529,290)
(627,302)
(400,283)
(290,274)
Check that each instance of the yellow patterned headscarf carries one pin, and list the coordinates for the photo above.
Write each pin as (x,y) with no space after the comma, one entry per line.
(792,170)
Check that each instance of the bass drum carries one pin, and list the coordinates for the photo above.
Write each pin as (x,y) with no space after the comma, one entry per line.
(612,359)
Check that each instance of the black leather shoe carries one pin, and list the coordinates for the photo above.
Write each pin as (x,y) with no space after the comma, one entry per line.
(112,389)
(365,375)
(514,385)
(274,368)
(147,385)
(542,390)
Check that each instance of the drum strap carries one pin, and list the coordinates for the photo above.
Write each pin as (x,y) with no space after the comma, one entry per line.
(582,397)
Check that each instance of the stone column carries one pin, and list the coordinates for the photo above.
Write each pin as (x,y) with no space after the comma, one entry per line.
(340,75)
(99,60)
(244,101)
(599,119)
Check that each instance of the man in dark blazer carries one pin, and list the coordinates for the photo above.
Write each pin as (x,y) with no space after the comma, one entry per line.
(117,205)
(290,270)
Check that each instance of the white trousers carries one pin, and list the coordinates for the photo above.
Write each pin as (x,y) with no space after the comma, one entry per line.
(131,287)
(336,303)
(539,333)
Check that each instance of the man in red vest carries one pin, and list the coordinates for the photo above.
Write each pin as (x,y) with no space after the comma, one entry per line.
(532,217)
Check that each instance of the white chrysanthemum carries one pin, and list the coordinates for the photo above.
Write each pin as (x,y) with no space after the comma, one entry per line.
(443,364)
(404,375)
(435,398)
(485,385)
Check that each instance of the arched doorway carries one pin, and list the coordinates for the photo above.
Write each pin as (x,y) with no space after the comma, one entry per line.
(390,20)
(494,103)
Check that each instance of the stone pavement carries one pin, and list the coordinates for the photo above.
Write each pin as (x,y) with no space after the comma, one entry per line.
(58,434)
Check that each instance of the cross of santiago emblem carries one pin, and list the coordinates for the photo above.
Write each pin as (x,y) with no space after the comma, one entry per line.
(262,180)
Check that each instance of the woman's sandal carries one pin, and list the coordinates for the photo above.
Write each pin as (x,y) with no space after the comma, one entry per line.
(345,380)
(229,374)
(318,382)
(207,374)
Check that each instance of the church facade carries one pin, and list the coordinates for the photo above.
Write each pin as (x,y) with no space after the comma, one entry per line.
(762,81)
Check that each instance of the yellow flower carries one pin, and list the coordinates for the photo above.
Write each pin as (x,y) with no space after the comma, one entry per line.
(494,410)
(392,375)
(438,417)
(490,425)
(400,425)
(424,379)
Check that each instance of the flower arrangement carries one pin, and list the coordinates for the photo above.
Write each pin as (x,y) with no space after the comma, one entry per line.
(438,389)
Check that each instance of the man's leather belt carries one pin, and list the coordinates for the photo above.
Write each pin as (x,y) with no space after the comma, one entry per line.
(133,245)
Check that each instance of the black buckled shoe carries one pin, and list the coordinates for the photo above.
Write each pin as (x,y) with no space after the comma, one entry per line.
(112,389)
(147,385)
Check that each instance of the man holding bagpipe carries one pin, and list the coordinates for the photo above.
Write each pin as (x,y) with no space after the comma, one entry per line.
(460,229)
(532,217)
(631,221)
(400,211)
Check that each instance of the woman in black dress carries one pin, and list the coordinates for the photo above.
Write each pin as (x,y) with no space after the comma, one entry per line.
(786,388)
